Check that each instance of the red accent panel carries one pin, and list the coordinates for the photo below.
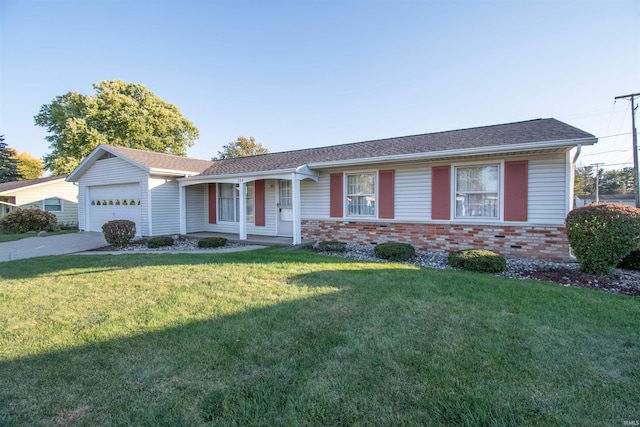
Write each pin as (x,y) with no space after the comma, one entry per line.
(441,192)
(385,194)
(213,215)
(259,194)
(516,190)
(336,200)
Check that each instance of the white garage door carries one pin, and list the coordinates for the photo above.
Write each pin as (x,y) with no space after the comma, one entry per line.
(109,202)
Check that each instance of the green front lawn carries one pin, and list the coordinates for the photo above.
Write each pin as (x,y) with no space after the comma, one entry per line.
(294,338)
(8,237)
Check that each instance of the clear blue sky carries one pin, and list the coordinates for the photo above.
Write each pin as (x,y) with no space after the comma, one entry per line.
(297,74)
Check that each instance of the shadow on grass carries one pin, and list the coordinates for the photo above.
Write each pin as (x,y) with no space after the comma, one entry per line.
(388,346)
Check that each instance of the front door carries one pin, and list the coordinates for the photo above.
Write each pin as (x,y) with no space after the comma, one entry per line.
(285,208)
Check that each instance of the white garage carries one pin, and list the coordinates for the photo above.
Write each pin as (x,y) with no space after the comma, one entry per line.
(110,202)
(125,183)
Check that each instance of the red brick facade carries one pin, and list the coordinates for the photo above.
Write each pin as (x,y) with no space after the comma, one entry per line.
(543,242)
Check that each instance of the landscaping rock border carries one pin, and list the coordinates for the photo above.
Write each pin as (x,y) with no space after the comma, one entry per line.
(626,282)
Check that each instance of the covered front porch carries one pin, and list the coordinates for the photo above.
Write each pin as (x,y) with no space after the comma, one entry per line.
(261,205)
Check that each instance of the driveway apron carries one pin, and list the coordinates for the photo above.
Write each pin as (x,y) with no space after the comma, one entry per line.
(32,247)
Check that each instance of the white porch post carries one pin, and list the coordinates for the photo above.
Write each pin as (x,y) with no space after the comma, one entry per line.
(243,212)
(182,195)
(297,219)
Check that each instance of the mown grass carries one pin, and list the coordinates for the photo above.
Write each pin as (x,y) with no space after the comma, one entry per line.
(9,237)
(294,338)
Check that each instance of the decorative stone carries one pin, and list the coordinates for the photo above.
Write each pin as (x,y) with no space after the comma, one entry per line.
(42,234)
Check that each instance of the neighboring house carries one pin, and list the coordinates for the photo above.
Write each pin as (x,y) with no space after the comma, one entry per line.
(507,188)
(623,199)
(52,194)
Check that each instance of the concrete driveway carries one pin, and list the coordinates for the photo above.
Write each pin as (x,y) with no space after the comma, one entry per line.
(62,244)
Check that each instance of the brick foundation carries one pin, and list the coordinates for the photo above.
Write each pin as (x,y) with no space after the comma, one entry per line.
(542,242)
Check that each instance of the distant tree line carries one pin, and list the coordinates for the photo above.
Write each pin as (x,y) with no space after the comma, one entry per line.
(615,181)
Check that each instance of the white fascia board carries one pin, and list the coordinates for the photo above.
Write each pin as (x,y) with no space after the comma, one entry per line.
(463,152)
(171,172)
(29,187)
(235,177)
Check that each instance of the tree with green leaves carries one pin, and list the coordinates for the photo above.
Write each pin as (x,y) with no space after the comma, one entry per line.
(120,113)
(584,181)
(617,181)
(241,147)
(8,163)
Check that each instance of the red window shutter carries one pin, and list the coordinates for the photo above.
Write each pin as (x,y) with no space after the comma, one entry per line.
(441,192)
(212,204)
(259,202)
(516,190)
(336,199)
(385,194)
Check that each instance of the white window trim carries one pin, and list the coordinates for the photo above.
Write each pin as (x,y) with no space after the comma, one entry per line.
(466,219)
(235,199)
(236,205)
(345,186)
(250,191)
(49,198)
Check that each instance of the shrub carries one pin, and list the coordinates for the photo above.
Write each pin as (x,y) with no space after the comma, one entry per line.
(602,235)
(212,242)
(395,251)
(331,246)
(158,242)
(477,260)
(119,231)
(631,261)
(23,220)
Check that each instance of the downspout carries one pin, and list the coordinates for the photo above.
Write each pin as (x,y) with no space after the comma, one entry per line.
(572,177)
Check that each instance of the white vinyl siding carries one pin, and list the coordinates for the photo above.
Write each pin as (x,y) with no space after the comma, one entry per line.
(412,198)
(34,197)
(547,190)
(165,206)
(314,197)
(412,193)
(114,171)
(196,208)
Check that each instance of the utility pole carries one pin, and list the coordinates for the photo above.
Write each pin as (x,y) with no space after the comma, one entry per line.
(597,165)
(634,134)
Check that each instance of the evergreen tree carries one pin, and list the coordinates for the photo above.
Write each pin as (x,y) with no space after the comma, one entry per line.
(8,163)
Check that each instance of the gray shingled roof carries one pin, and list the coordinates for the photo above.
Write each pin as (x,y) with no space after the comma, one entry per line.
(16,185)
(532,131)
(154,160)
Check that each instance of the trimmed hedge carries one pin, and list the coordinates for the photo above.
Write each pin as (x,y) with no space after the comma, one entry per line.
(119,231)
(212,242)
(477,260)
(601,236)
(158,242)
(395,251)
(24,220)
(331,246)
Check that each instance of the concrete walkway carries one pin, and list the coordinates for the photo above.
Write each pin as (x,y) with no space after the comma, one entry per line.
(62,244)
